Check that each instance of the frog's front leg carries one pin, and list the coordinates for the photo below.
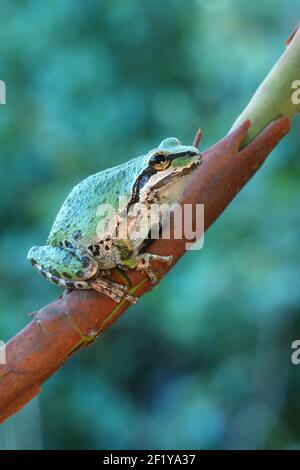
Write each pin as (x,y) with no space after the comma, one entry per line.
(70,268)
(144,264)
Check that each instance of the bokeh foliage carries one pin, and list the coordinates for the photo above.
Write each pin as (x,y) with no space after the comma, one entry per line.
(204,360)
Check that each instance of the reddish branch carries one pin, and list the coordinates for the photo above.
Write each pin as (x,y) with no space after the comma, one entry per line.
(75,319)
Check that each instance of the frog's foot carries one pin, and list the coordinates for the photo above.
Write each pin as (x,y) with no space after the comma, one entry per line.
(114,290)
(70,268)
(144,265)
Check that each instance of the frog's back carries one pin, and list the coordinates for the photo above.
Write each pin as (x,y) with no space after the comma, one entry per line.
(77,219)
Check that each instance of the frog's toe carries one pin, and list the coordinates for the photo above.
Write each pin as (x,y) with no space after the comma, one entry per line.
(122,287)
(168,260)
(131,298)
(112,285)
(152,277)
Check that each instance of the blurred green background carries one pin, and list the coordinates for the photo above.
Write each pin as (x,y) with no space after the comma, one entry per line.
(204,361)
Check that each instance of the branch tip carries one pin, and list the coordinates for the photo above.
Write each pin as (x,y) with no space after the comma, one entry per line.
(197,138)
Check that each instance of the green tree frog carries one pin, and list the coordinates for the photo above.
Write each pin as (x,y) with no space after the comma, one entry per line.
(80,250)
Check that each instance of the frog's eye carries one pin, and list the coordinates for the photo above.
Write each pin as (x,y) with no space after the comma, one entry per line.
(160,161)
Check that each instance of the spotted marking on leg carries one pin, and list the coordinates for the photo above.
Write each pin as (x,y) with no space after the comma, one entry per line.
(64,283)
(145,266)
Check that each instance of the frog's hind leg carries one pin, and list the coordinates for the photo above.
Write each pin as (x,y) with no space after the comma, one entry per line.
(70,268)
(116,291)
(59,264)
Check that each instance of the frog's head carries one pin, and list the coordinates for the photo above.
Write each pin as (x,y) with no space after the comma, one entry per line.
(167,170)
(171,158)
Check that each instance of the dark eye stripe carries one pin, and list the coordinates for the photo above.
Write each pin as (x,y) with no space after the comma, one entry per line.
(144,177)
(190,153)
(172,156)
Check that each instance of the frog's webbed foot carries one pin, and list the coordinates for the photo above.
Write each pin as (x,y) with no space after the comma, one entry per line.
(114,290)
(144,265)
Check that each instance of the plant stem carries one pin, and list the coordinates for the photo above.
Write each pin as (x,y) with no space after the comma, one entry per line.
(273,99)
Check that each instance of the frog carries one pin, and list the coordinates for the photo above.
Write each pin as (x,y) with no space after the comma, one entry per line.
(82,246)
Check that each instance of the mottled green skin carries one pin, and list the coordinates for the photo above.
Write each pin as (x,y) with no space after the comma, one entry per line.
(79,211)
(77,247)
(60,262)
